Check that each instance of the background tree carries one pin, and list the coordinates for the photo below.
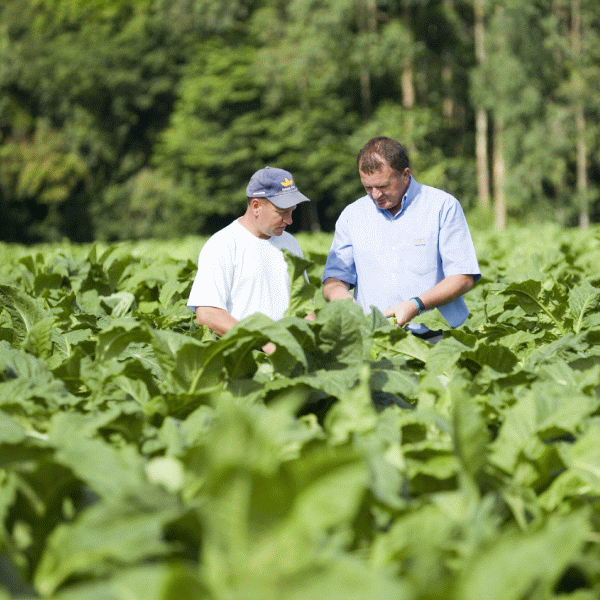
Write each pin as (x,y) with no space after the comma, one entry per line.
(127,119)
(99,76)
(482,119)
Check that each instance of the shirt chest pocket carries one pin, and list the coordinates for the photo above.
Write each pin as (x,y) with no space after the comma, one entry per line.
(420,255)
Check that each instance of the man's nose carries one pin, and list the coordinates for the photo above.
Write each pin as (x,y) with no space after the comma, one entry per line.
(287,219)
(375,194)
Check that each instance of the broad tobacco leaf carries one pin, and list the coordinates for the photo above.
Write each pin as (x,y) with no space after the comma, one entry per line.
(157,581)
(27,386)
(544,412)
(302,291)
(103,538)
(271,521)
(113,339)
(518,562)
(471,435)
(582,476)
(583,298)
(23,309)
(343,336)
(232,353)
(546,305)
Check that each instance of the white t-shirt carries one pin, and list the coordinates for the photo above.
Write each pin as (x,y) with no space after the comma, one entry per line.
(243,274)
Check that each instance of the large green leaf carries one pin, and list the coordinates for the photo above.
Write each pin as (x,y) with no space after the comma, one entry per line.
(28,387)
(112,472)
(11,432)
(546,411)
(271,520)
(147,582)
(233,352)
(180,359)
(471,436)
(354,412)
(418,544)
(24,311)
(582,299)
(520,563)
(535,300)
(495,356)
(113,339)
(344,578)
(343,335)
(581,479)
(302,292)
(103,538)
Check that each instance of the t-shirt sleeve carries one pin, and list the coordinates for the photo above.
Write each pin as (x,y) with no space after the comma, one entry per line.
(294,246)
(212,284)
(340,260)
(455,243)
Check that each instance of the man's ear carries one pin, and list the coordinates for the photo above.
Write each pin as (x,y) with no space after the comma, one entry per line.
(255,203)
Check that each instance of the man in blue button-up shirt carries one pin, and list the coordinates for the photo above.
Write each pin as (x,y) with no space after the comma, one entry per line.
(404,247)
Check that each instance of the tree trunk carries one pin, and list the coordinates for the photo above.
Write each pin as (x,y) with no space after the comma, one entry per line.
(561,207)
(366,13)
(448,102)
(448,109)
(409,94)
(483,167)
(481,122)
(582,179)
(499,176)
(579,114)
(307,210)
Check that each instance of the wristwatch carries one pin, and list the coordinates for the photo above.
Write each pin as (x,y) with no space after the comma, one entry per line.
(419,304)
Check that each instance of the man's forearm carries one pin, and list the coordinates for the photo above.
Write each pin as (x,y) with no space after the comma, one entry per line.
(220,321)
(447,290)
(334,289)
(216,319)
(444,292)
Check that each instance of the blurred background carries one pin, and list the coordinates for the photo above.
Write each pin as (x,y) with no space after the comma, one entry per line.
(138,119)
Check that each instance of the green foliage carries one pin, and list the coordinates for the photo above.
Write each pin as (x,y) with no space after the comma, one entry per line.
(141,456)
(144,119)
(87,88)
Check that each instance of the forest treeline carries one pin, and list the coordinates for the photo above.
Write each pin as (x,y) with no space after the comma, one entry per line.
(128,119)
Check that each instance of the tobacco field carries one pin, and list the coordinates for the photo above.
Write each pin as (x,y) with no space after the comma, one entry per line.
(143,459)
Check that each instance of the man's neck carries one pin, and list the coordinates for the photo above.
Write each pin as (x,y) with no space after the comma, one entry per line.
(247,222)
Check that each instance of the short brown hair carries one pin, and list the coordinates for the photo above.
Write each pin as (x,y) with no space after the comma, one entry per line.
(378,148)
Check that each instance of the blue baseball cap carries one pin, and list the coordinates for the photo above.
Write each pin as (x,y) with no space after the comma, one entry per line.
(275,185)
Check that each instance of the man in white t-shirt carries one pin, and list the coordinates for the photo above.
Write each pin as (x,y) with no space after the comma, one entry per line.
(241,268)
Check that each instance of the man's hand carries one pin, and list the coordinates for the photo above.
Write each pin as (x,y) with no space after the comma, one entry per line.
(404,312)
(269,348)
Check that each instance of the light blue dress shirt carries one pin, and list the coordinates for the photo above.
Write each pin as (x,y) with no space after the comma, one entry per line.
(389,259)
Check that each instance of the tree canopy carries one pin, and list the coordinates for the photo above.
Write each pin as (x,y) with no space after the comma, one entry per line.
(145,118)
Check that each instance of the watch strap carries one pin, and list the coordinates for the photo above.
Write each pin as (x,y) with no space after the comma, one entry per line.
(419,304)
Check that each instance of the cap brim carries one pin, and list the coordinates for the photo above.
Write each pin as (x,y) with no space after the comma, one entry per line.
(288,199)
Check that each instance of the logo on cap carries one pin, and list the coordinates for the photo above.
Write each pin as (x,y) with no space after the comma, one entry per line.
(287,182)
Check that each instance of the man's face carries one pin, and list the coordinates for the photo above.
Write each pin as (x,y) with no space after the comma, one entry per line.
(271,220)
(386,187)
